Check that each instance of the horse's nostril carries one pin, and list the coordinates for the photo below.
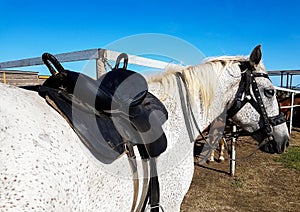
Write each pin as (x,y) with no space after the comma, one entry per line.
(287,144)
(284,147)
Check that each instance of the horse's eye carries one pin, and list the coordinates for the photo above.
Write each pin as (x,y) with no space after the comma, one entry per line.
(269,93)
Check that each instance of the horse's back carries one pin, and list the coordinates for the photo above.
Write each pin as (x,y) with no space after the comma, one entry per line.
(44,165)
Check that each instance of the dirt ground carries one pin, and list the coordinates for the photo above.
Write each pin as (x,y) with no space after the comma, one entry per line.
(259,184)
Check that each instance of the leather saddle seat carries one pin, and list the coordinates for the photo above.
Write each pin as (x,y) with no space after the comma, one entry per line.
(120,88)
(115,91)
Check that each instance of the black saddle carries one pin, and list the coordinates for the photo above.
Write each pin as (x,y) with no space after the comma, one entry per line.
(111,115)
(108,112)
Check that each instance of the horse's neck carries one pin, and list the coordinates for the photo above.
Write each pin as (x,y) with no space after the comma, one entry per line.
(215,110)
(224,92)
(171,98)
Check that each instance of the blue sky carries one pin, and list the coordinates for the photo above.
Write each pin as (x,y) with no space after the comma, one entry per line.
(225,27)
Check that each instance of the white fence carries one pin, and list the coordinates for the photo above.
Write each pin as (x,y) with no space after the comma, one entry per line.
(293,92)
(101,56)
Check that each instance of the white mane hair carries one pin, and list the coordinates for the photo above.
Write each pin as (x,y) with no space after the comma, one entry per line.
(229,60)
(201,79)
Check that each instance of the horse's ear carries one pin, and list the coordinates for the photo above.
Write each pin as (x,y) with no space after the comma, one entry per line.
(255,56)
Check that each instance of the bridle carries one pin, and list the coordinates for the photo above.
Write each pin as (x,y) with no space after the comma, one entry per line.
(244,95)
(248,92)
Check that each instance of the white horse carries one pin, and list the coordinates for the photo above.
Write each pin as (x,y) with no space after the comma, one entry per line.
(45,166)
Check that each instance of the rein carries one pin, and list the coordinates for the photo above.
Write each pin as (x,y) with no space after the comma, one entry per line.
(186,107)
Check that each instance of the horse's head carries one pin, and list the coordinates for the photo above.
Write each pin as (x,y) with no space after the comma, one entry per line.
(255,108)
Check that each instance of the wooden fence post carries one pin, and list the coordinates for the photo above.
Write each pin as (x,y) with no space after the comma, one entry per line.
(4,77)
(100,62)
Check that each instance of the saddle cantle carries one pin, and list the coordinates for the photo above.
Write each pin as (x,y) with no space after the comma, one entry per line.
(108,112)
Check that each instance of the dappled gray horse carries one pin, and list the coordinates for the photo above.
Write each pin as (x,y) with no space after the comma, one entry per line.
(44,165)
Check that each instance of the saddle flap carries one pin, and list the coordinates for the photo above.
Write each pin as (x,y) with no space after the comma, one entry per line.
(97,132)
(148,119)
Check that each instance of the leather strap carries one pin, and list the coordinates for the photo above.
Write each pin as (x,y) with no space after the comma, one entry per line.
(154,187)
(153,193)
(145,187)
(186,107)
(51,61)
(135,176)
(120,57)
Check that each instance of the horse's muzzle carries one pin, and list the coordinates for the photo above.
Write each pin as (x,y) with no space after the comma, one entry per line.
(274,146)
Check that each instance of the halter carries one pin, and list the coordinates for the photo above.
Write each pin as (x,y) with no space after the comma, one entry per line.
(244,96)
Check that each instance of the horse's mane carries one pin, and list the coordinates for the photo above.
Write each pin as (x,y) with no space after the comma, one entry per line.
(200,79)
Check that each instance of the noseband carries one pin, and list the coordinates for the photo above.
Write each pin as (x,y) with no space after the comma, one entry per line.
(244,96)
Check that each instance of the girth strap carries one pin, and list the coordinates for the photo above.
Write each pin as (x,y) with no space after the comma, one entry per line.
(135,179)
(153,193)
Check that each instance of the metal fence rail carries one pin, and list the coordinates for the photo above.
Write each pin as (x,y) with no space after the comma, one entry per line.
(293,92)
(101,56)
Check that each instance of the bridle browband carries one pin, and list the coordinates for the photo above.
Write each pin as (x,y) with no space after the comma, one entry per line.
(244,96)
